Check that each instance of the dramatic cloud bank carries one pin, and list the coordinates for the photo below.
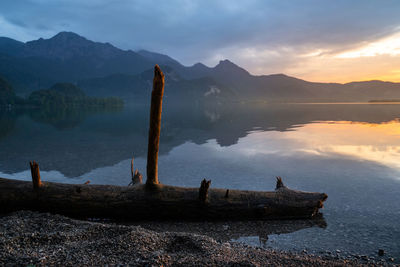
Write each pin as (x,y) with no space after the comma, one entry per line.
(316,40)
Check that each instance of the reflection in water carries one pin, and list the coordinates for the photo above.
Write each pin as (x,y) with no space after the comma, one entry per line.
(351,152)
(7,122)
(89,139)
(67,117)
(379,143)
(227,230)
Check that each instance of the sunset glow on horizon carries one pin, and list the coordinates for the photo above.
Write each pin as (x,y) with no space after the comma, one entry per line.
(374,60)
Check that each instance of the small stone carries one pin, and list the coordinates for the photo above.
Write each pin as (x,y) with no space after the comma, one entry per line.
(338,251)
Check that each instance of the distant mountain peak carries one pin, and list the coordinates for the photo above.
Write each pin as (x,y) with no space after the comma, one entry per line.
(61,39)
(199,64)
(228,66)
(226,62)
(63,36)
(67,34)
(67,45)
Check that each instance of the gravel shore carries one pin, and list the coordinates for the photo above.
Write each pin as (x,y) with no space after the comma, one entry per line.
(31,238)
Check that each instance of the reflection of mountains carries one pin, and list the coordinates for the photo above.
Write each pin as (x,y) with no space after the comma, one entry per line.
(66,118)
(75,143)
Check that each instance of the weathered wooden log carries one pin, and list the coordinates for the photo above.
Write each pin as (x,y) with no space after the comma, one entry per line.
(155,126)
(164,202)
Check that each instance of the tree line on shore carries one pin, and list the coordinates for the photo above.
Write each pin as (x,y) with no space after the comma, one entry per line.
(59,95)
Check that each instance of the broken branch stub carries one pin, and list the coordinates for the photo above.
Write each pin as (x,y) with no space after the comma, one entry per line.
(136,176)
(155,126)
(35,173)
(279,183)
(203,191)
(227,193)
(132,174)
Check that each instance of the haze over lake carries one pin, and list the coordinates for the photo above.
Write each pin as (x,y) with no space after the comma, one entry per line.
(349,151)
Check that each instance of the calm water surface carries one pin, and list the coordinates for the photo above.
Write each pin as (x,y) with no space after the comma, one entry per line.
(350,152)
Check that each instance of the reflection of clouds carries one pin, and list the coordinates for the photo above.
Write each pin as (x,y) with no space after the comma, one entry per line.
(118,174)
(326,148)
(362,141)
(52,176)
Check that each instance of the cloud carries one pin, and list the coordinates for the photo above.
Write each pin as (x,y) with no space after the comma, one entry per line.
(386,46)
(271,36)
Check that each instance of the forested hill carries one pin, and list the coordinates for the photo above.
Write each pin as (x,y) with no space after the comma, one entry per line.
(102,69)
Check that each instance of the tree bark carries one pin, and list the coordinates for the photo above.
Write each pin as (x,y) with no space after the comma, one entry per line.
(165,202)
(155,126)
(35,173)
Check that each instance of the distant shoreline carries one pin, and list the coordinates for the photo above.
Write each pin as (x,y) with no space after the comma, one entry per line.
(384,101)
(371,102)
(352,103)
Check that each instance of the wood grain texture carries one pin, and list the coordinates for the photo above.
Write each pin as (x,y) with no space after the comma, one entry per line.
(155,126)
(160,202)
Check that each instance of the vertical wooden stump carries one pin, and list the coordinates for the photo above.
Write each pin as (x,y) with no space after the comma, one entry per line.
(155,126)
(203,191)
(279,183)
(35,174)
(136,175)
(227,193)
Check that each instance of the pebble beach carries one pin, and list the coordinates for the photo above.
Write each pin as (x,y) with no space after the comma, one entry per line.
(42,239)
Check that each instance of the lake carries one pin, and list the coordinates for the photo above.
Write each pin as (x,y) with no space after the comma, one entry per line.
(349,151)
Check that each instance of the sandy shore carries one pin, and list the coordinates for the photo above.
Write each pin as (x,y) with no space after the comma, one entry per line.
(44,239)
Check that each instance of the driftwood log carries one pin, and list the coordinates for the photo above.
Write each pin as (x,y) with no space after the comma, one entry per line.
(160,202)
(153,200)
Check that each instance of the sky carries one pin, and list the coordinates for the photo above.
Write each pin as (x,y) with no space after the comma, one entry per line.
(316,40)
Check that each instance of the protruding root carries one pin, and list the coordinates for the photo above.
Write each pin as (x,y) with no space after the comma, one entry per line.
(279,183)
(203,191)
(35,172)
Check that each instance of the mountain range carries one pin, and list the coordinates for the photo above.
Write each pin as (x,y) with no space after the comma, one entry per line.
(102,69)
